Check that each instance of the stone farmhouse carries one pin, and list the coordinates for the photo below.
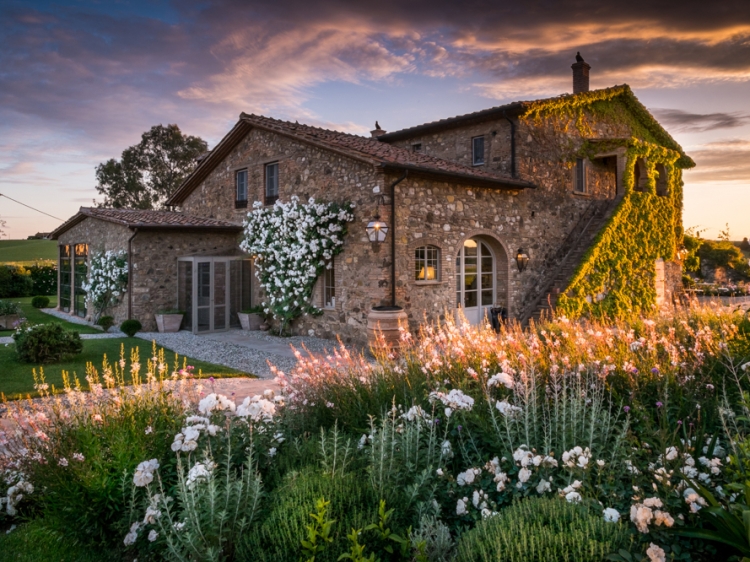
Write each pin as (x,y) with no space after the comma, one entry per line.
(572,202)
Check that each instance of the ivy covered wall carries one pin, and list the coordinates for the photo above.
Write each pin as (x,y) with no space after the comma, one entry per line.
(617,275)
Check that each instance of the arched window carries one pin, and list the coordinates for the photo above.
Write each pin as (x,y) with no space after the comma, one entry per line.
(427,263)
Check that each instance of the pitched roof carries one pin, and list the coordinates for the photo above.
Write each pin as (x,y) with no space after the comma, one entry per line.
(622,93)
(369,150)
(146,220)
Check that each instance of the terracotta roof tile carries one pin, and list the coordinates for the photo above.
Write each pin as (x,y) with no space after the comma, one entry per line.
(134,218)
(376,151)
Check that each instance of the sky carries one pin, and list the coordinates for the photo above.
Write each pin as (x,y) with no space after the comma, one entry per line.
(81,80)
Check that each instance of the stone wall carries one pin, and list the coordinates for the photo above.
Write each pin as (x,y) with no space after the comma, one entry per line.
(428,212)
(155,256)
(101,236)
(154,267)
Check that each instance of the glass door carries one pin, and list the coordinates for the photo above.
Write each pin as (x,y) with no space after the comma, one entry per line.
(475,280)
(211,295)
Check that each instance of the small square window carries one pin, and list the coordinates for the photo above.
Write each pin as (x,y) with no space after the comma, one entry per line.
(240,180)
(427,264)
(272,183)
(477,151)
(417,147)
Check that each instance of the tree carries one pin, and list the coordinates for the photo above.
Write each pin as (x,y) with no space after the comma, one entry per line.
(149,172)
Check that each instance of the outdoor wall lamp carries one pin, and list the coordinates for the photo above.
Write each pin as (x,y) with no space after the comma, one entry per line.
(522,260)
(377,229)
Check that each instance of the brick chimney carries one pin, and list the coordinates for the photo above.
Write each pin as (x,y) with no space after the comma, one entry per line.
(580,75)
(377,131)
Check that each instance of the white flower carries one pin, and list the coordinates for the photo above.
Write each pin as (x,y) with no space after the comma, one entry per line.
(573,497)
(133,534)
(523,475)
(257,409)
(461,506)
(215,402)
(501,378)
(153,535)
(144,473)
(671,454)
(445,449)
(656,553)
(272,452)
(611,515)
(641,516)
(507,409)
(543,486)
(467,477)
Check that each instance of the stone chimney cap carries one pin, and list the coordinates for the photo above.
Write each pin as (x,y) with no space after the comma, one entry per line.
(377,131)
(580,74)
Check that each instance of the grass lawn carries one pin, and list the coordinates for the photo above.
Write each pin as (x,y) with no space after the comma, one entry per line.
(36,316)
(16,378)
(27,250)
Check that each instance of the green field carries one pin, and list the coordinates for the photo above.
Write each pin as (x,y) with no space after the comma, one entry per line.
(27,250)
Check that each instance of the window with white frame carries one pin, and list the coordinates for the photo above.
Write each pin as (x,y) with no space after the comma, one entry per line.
(240,181)
(427,263)
(477,151)
(579,176)
(329,285)
(272,183)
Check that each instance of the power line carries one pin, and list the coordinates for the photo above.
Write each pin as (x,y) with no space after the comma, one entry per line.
(32,208)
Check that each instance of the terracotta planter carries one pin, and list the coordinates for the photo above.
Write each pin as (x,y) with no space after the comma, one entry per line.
(386,320)
(168,322)
(9,321)
(250,321)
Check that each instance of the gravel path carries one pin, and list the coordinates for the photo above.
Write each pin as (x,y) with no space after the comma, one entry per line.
(248,351)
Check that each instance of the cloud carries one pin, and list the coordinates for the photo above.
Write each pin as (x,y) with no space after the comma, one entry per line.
(686,121)
(726,160)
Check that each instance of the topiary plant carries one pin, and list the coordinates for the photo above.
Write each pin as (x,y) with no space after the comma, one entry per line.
(46,343)
(106,322)
(542,529)
(40,301)
(130,327)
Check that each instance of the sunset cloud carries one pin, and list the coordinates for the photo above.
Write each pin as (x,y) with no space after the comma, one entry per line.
(82,81)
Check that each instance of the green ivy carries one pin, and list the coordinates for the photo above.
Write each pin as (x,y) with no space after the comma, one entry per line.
(617,275)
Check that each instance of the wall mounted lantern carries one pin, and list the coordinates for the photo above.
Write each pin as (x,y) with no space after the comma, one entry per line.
(377,229)
(522,260)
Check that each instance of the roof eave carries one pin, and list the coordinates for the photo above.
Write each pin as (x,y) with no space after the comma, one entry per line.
(467,179)
(216,228)
(510,110)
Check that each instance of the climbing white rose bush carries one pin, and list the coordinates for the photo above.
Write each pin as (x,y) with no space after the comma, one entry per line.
(293,243)
(108,280)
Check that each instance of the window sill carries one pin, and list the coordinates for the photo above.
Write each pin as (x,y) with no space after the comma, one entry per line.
(477,164)
(240,204)
(582,194)
(429,282)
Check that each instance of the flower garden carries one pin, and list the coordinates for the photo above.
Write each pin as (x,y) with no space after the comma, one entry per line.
(623,441)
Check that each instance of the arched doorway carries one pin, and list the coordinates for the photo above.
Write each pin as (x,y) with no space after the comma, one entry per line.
(476,279)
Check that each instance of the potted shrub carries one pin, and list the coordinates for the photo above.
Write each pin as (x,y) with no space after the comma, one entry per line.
(252,318)
(169,320)
(10,315)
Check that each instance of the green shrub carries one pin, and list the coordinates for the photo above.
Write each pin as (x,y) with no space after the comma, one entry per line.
(542,529)
(279,536)
(130,327)
(44,278)
(9,307)
(46,343)
(15,281)
(106,322)
(35,541)
(40,302)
